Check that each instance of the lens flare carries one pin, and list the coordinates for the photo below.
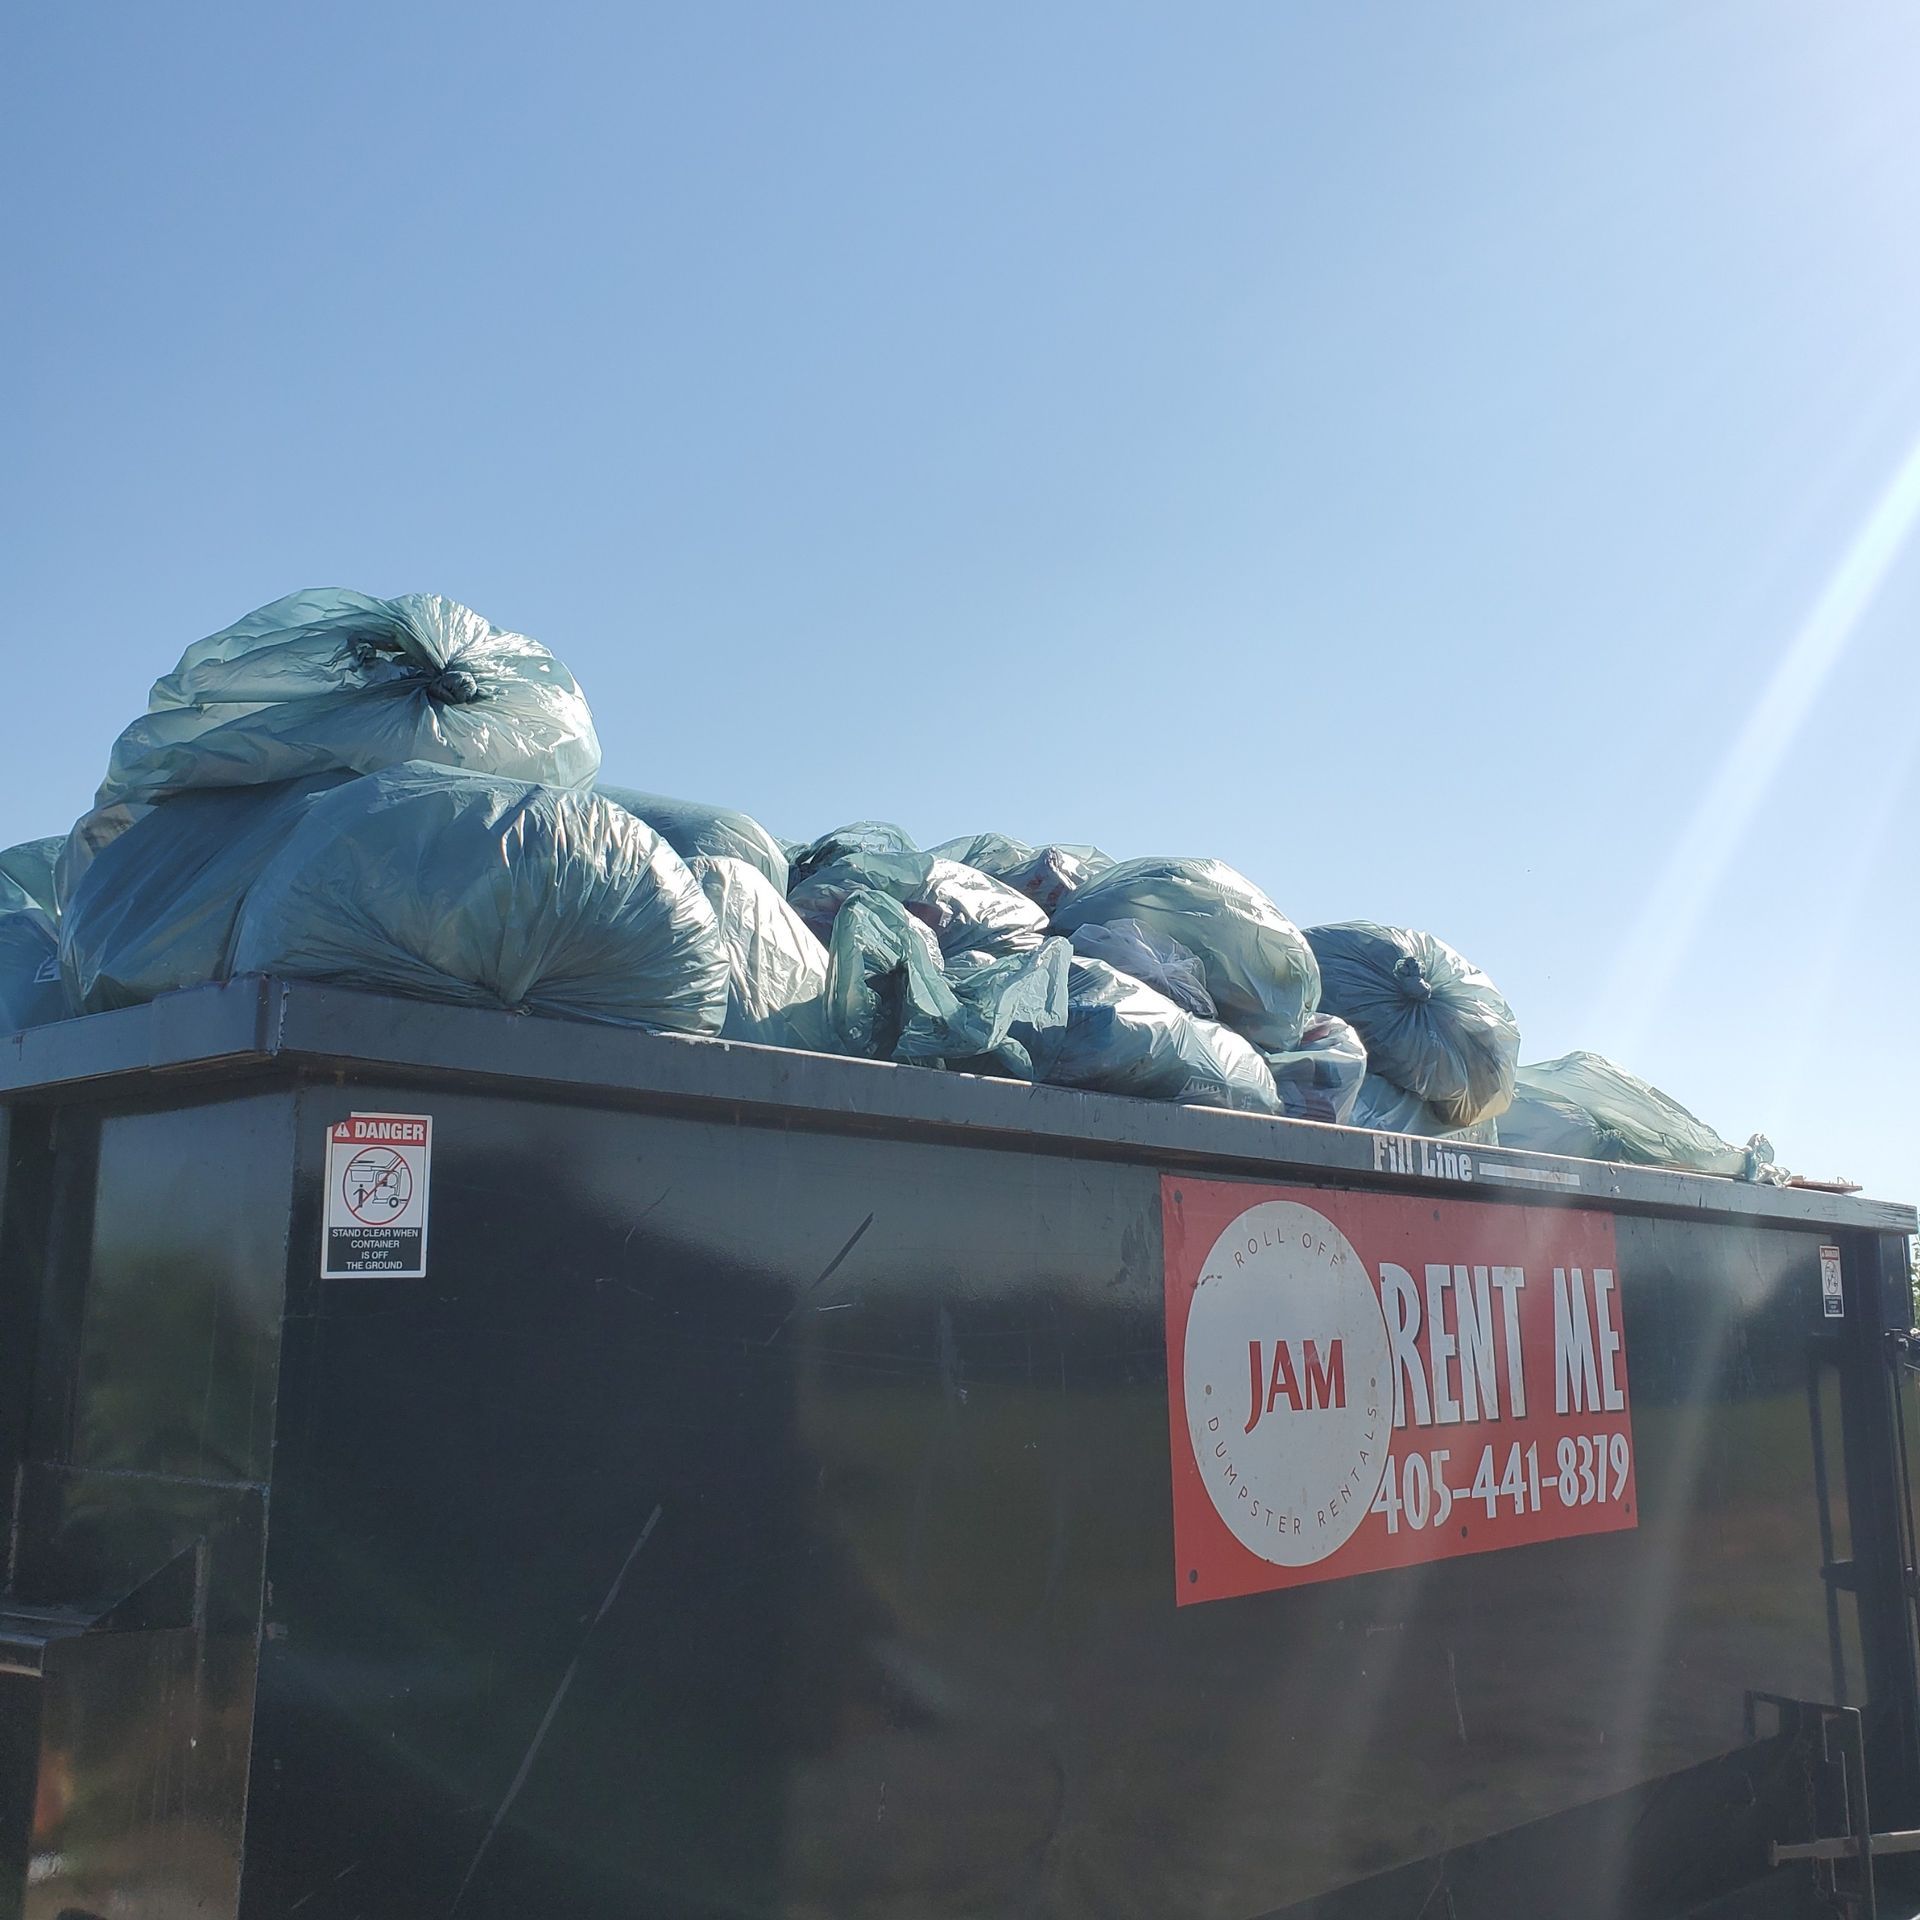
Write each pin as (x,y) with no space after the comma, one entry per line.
(1669,919)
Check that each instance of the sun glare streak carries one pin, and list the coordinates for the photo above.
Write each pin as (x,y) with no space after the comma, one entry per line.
(1670,917)
(1681,1481)
(1804,1049)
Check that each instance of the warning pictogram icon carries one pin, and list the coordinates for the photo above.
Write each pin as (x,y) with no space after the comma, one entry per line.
(377,1186)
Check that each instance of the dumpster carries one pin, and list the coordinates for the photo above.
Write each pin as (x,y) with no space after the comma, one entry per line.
(466,1464)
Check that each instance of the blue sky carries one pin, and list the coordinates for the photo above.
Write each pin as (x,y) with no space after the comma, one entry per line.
(1446,461)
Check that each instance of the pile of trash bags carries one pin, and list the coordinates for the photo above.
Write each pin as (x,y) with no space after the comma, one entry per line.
(398,795)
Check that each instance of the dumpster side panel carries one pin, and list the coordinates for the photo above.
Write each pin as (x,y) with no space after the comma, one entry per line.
(741,1519)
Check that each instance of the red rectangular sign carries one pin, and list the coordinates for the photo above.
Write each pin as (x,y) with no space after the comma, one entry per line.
(1359,1381)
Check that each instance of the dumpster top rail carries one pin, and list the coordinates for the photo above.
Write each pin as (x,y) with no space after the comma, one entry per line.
(265,1027)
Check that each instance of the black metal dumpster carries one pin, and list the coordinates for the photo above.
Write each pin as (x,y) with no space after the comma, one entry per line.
(466,1465)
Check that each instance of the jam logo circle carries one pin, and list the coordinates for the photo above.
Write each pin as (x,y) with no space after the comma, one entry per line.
(1288,1393)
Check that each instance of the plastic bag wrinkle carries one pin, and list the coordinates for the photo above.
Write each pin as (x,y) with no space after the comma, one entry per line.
(1154,959)
(1018,1003)
(859,836)
(776,969)
(1046,875)
(966,910)
(891,995)
(1259,969)
(329,680)
(887,991)
(1390,1109)
(1320,1079)
(1123,1037)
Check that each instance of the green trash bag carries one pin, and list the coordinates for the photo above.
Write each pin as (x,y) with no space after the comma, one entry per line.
(490,892)
(966,911)
(26,876)
(776,969)
(156,907)
(30,991)
(1320,1079)
(1432,1022)
(887,991)
(1259,968)
(693,829)
(1123,1037)
(1390,1109)
(1019,1002)
(889,995)
(1583,1106)
(331,681)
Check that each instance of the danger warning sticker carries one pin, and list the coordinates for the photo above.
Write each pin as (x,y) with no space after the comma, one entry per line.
(378,1168)
(1833,1299)
(1364,1381)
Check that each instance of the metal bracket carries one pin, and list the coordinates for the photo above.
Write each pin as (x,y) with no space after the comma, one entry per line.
(1831,1744)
